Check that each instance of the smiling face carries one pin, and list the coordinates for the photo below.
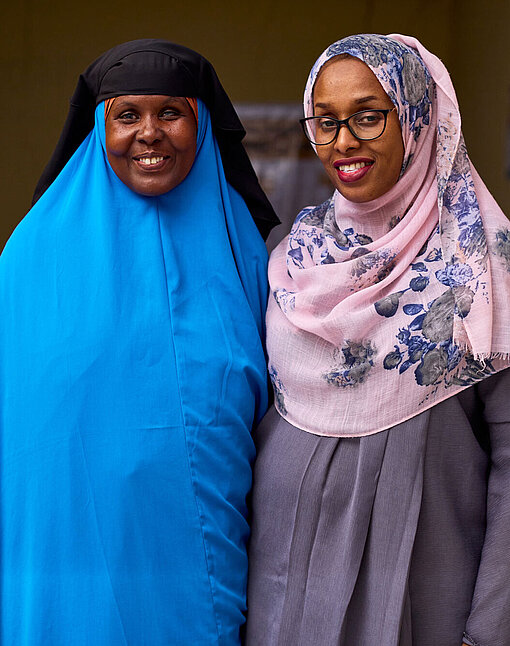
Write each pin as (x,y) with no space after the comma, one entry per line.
(346,86)
(151,141)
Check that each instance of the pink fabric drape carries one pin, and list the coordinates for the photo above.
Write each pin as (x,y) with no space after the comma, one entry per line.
(382,309)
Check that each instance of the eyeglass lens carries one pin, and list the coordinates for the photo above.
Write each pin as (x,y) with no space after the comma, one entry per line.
(368,124)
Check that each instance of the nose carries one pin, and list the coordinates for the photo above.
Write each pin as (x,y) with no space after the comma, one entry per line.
(149,130)
(345,140)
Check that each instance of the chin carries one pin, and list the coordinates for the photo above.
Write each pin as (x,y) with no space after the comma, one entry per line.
(358,197)
(360,194)
(150,191)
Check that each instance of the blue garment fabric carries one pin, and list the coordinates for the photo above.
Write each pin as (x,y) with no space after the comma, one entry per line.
(131,374)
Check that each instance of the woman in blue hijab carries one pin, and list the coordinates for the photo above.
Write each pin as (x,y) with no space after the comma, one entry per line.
(131,365)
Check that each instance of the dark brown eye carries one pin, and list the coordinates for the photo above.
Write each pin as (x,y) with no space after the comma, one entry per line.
(127,115)
(170,113)
(369,119)
(327,125)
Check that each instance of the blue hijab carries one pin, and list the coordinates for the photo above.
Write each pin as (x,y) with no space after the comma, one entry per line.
(131,374)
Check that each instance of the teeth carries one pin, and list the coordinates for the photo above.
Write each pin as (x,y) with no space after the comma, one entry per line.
(349,168)
(150,160)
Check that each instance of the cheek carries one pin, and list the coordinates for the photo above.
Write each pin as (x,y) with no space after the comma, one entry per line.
(115,151)
(185,152)
(395,147)
(397,158)
(188,153)
(191,158)
(184,140)
(116,141)
(185,146)
(119,164)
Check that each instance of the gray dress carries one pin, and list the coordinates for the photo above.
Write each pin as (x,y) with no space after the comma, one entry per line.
(401,538)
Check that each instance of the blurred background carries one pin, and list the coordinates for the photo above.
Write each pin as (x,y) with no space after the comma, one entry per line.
(262,52)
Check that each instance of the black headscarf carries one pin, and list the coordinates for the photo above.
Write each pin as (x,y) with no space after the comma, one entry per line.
(151,66)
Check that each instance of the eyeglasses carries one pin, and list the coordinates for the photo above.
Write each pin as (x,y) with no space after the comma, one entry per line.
(364,125)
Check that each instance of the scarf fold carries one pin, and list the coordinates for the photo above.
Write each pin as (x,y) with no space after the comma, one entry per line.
(382,309)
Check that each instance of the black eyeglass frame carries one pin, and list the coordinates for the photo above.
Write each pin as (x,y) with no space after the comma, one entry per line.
(345,122)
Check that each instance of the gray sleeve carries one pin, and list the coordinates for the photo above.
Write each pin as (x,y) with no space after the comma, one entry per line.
(489,621)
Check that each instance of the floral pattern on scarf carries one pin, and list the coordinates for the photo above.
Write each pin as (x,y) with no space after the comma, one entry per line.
(404,298)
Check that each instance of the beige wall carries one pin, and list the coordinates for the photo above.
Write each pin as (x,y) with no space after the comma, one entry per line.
(262,51)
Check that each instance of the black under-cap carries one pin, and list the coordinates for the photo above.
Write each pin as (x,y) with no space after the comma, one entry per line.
(151,66)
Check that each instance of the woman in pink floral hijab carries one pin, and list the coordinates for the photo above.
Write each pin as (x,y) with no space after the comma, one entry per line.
(382,486)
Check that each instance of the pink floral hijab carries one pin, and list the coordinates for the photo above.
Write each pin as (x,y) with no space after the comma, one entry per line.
(381,310)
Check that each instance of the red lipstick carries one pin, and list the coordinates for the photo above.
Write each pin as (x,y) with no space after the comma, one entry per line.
(352,169)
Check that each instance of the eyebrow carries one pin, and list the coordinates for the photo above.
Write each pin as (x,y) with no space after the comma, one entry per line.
(363,99)
(122,101)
